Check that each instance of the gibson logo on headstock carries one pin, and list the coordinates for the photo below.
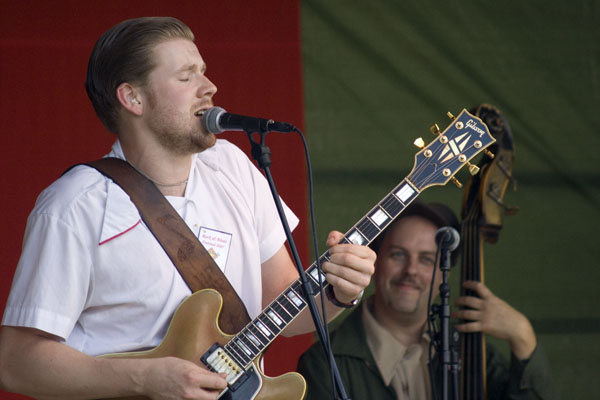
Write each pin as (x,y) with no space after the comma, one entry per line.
(473,125)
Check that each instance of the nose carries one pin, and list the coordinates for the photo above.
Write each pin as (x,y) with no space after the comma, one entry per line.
(410,267)
(206,87)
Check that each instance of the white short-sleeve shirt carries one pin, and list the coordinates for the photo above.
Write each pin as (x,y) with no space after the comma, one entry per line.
(92,273)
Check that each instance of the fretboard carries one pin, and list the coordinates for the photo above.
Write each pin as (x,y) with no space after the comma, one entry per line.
(251,341)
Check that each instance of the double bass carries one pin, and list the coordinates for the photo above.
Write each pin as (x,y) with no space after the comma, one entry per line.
(482,211)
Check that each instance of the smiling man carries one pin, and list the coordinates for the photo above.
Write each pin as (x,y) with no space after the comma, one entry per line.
(92,279)
(381,348)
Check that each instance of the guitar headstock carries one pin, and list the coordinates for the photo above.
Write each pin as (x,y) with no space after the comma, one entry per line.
(440,160)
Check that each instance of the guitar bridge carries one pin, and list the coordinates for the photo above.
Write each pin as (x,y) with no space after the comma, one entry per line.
(217,360)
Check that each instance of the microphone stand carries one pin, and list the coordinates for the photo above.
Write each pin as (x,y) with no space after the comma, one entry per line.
(449,356)
(262,154)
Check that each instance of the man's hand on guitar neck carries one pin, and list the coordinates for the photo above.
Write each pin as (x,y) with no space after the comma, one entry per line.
(349,272)
(350,268)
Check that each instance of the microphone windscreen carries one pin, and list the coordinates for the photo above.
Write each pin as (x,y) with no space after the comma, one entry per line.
(448,237)
(210,120)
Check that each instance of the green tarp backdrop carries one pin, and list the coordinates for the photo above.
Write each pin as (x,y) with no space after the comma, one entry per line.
(379,73)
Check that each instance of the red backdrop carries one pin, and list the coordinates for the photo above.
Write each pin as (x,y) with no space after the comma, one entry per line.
(252,49)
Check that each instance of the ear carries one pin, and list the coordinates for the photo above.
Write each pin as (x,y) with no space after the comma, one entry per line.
(129,98)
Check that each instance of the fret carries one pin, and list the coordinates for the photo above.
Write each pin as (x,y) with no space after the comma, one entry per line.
(405,193)
(275,317)
(262,328)
(281,311)
(257,343)
(287,305)
(258,334)
(237,353)
(315,274)
(324,258)
(244,339)
(379,217)
(270,325)
(356,237)
(247,353)
(344,240)
(295,297)
(368,229)
(312,284)
(297,288)
(392,205)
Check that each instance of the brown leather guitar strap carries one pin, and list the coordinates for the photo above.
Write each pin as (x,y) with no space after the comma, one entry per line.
(191,259)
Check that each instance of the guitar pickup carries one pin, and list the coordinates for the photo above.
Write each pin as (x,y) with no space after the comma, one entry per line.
(217,360)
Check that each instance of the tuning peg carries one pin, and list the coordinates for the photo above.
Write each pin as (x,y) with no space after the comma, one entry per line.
(509,211)
(493,192)
(456,182)
(473,169)
(489,153)
(452,117)
(435,129)
(419,142)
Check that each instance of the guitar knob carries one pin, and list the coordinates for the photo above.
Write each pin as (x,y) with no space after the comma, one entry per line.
(452,117)
(489,153)
(473,169)
(435,129)
(456,182)
(419,142)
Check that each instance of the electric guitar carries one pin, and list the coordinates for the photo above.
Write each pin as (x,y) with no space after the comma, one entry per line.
(194,333)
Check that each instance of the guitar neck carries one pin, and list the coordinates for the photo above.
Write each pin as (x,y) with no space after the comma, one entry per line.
(251,341)
(435,164)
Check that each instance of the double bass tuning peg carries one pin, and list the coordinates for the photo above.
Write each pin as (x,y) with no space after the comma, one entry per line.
(494,193)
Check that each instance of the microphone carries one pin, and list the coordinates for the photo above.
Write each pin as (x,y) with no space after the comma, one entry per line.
(216,120)
(447,237)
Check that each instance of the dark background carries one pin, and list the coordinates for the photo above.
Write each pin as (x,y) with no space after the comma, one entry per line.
(379,73)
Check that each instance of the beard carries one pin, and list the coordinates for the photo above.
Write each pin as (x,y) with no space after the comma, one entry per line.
(178,131)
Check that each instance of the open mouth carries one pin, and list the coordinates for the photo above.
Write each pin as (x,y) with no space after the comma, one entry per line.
(199,113)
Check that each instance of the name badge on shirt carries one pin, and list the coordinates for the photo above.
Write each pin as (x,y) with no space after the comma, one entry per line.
(217,244)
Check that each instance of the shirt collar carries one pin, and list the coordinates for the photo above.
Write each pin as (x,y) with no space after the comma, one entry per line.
(386,349)
(120,214)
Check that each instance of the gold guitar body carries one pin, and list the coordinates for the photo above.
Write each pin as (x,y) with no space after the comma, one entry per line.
(194,329)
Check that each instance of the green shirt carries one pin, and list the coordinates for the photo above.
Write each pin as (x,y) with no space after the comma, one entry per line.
(517,380)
